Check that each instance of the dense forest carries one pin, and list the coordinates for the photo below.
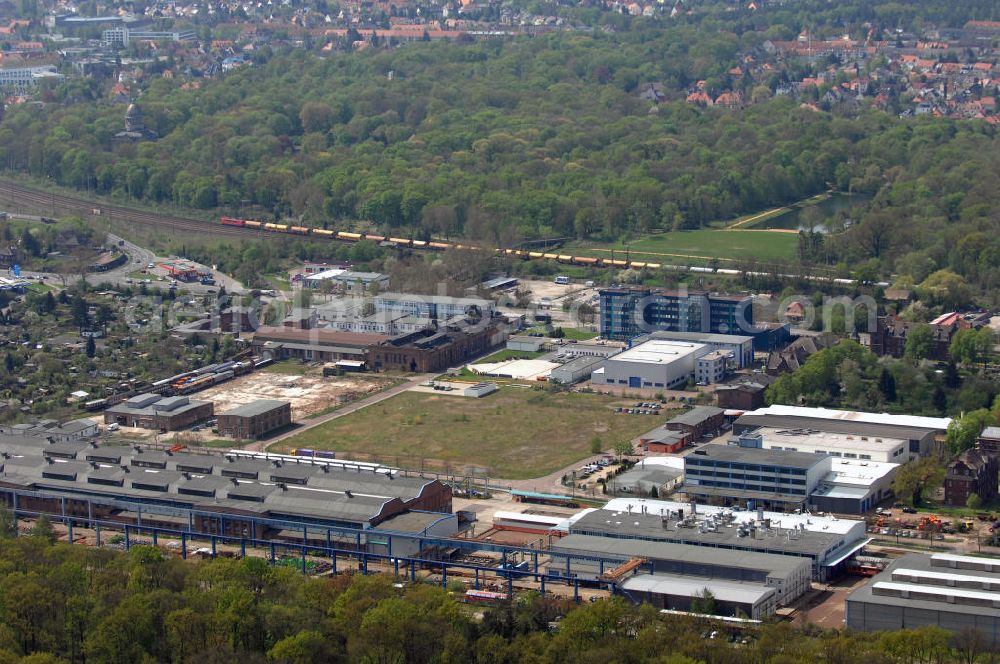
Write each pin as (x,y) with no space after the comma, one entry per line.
(62,603)
(547,137)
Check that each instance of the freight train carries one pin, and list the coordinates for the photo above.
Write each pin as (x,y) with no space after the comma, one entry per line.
(435,245)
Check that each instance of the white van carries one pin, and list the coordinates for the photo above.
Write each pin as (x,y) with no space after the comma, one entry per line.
(562,281)
(113,426)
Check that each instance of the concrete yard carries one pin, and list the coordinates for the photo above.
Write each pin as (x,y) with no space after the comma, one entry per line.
(824,605)
(309,393)
(453,389)
(550,289)
(515,369)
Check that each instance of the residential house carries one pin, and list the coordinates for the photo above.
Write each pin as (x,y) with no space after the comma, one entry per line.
(973,472)
(891,333)
(989,441)
(796,353)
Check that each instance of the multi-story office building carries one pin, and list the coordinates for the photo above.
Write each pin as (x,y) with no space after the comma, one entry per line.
(768,478)
(20,79)
(434,307)
(710,369)
(629,312)
(120,37)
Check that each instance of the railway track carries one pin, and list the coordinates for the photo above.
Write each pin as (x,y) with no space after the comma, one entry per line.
(41,199)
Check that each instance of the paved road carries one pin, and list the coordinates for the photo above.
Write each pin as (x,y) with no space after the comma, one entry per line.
(139,259)
(259,446)
(552,483)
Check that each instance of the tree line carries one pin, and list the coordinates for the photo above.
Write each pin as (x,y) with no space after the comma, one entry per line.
(70,603)
(848,375)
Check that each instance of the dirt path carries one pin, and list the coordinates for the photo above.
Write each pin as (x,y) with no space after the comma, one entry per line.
(261,445)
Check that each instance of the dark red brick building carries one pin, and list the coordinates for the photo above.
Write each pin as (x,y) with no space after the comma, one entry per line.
(744,396)
(973,472)
(435,349)
(891,333)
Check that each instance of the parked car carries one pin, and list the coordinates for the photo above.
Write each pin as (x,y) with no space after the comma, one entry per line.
(909,510)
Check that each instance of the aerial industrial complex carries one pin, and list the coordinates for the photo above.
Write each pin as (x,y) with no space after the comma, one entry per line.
(754,506)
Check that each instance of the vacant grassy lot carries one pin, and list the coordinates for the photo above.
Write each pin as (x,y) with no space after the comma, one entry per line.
(515,433)
(507,354)
(701,246)
(287,367)
(568,332)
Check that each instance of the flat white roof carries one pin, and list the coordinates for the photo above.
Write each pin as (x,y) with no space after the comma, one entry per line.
(926,589)
(845,553)
(690,586)
(812,522)
(517,369)
(850,492)
(435,299)
(325,274)
(856,416)
(657,351)
(827,440)
(971,560)
(676,462)
(540,519)
(859,473)
(564,526)
(945,576)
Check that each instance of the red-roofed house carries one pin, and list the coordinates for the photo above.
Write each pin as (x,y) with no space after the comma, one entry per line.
(701,98)
(729,100)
